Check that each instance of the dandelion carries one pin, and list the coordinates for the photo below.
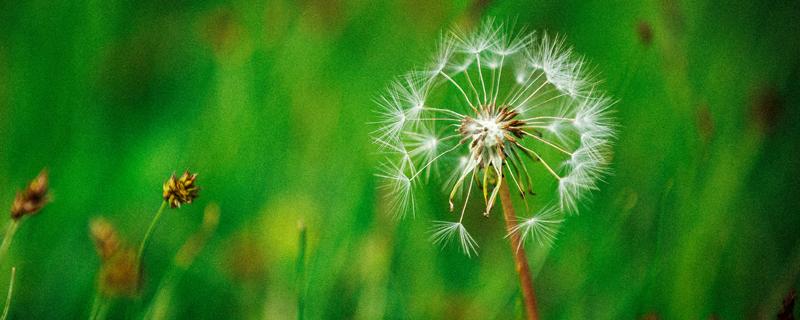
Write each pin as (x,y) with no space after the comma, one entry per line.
(495,106)
(494,109)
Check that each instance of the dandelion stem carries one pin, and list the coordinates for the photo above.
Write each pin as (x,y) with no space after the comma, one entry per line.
(150,231)
(10,292)
(8,237)
(520,259)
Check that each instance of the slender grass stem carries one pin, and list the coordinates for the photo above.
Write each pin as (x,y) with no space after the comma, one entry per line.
(97,307)
(8,237)
(10,293)
(159,308)
(520,259)
(163,297)
(300,268)
(150,231)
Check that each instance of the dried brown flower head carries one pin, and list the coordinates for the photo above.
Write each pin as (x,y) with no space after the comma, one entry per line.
(645,32)
(33,198)
(106,240)
(120,274)
(178,191)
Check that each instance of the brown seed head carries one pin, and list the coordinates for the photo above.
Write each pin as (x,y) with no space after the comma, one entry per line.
(33,198)
(105,238)
(645,32)
(119,275)
(181,190)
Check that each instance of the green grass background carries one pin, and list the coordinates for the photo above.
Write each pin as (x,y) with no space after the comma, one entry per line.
(269,102)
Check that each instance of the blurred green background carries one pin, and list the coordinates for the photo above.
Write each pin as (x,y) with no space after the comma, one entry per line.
(270,102)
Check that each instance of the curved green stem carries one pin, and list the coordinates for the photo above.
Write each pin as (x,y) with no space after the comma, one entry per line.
(10,292)
(9,236)
(150,231)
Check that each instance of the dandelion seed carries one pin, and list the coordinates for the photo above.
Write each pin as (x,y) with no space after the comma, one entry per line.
(397,186)
(508,106)
(542,227)
(444,232)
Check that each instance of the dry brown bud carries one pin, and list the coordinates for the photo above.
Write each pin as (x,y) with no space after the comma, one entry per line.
(105,238)
(33,198)
(645,32)
(119,275)
(178,191)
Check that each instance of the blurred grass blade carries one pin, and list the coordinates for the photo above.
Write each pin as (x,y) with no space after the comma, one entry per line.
(10,293)
(300,269)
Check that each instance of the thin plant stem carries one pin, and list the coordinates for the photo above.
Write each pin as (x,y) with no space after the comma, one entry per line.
(150,231)
(520,259)
(158,309)
(300,268)
(10,292)
(98,307)
(8,237)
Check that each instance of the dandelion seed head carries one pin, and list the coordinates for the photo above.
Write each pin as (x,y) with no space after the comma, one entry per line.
(495,105)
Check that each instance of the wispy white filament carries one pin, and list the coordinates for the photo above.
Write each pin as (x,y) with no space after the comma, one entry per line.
(495,103)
